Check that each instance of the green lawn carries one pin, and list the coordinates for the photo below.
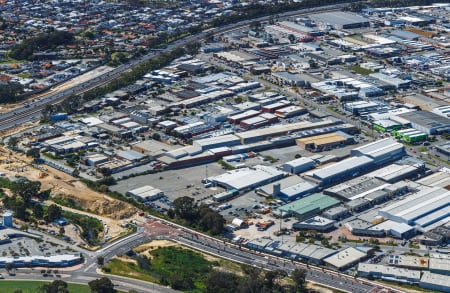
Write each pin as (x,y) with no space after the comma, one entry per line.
(7,286)
(182,269)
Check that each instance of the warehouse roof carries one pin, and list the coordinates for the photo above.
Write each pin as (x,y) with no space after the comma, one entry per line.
(338,17)
(427,119)
(377,148)
(309,203)
(284,128)
(436,279)
(246,177)
(284,183)
(441,264)
(345,257)
(420,205)
(389,271)
(340,167)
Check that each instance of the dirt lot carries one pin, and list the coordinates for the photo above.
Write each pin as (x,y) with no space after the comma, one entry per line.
(109,210)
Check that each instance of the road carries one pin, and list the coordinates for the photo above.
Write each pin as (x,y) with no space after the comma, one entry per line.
(156,228)
(30,113)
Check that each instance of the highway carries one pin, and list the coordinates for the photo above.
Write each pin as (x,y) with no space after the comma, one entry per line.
(31,112)
(167,230)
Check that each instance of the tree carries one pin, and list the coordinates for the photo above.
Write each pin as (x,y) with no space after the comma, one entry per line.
(57,286)
(156,136)
(291,38)
(221,282)
(299,278)
(185,208)
(26,190)
(53,213)
(102,285)
(13,142)
(100,260)
(34,153)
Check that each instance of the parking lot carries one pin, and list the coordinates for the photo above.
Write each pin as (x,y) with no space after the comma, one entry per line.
(27,246)
(175,183)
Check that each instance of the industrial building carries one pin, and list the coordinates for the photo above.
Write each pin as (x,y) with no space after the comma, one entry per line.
(435,282)
(360,227)
(294,250)
(410,135)
(425,121)
(439,264)
(409,261)
(145,193)
(421,209)
(288,189)
(299,165)
(336,213)
(55,261)
(388,273)
(315,223)
(341,170)
(247,178)
(308,206)
(382,151)
(345,258)
(324,142)
(256,135)
(341,20)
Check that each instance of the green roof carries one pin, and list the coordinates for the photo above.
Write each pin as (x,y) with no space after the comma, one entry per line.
(309,203)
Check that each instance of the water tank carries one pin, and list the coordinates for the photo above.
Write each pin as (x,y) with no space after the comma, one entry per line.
(7,219)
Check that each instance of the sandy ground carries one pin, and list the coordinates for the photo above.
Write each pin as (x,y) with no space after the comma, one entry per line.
(110,211)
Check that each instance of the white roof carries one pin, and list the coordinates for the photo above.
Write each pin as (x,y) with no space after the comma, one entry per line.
(436,279)
(418,205)
(246,177)
(340,167)
(345,257)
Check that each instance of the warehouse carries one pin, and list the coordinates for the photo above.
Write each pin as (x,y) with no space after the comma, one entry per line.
(423,208)
(299,165)
(242,116)
(345,258)
(340,171)
(444,149)
(309,206)
(356,188)
(386,125)
(427,122)
(273,189)
(439,264)
(254,122)
(310,252)
(360,227)
(247,178)
(256,135)
(359,107)
(341,20)
(227,140)
(410,135)
(95,159)
(298,190)
(315,223)
(358,205)
(145,193)
(324,142)
(336,213)
(271,108)
(381,151)
(290,111)
(435,282)
(388,273)
(409,261)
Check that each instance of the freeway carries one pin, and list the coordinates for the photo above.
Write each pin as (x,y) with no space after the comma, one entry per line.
(31,112)
(157,228)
